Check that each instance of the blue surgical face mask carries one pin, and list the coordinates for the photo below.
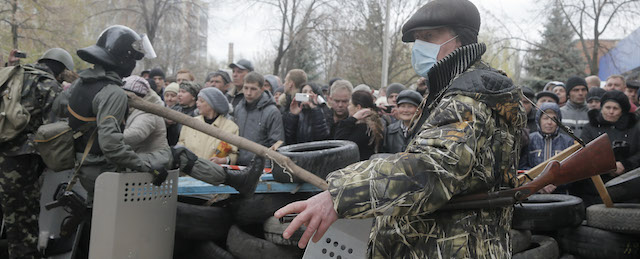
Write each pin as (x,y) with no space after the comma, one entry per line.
(424,55)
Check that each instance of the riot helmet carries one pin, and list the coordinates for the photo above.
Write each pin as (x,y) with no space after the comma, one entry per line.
(60,55)
(117,49)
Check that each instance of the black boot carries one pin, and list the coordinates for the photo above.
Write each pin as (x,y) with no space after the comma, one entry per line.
(246,180)
(183,159)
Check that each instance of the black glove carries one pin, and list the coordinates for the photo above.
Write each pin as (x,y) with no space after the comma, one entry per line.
(159,175)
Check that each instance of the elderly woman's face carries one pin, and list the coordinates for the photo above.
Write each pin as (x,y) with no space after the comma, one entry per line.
(611,111)
(203,106)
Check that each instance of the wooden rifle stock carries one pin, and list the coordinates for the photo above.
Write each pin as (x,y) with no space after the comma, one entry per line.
(594,159)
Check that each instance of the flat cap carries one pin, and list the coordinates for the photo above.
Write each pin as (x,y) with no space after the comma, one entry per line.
(242,64)
(409,96)
(440,13)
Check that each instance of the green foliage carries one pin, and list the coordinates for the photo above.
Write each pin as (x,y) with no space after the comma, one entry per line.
(555,57)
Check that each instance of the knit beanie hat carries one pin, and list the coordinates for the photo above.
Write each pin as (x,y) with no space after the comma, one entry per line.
(595,93)
(575,81)
(395,88)
(216,99)
(156,72)
(619,97)
(362,87)
(173,87)
(191,87)
(549,94)
(136,84)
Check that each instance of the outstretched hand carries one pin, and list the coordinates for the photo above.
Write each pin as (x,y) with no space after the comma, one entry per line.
(317,213)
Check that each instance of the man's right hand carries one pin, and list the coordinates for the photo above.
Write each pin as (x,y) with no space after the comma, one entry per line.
(317,213)
(159,175)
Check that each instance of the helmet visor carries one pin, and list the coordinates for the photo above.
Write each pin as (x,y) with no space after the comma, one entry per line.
(144,46)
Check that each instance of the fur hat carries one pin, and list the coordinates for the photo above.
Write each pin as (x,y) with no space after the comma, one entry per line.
(136,84)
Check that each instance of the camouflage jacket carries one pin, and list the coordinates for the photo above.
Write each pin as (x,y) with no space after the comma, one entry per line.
(39,91)
(475,124)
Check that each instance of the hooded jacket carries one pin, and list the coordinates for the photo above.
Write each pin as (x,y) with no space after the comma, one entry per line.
(543,146)
(575,116)
(467,144)
(260,123)
(308,125)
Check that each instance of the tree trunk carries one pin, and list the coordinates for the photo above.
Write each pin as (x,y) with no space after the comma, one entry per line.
(240,142)
(14,24)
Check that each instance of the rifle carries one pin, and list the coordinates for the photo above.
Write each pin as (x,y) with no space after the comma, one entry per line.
(76,206)
(593,159)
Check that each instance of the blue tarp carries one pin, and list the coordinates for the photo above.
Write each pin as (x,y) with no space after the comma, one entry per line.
(624,57)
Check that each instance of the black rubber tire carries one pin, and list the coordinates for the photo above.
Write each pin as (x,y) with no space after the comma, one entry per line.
(593,243)
(319,158)
(210,250)
(625,187)
(622,218)
(273,230)
(548,212)
(257,209)
(520,240)
(543,247)
(195,222)
(245,246)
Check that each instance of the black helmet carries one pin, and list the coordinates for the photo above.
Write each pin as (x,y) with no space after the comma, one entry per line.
(59,55)
(118,48)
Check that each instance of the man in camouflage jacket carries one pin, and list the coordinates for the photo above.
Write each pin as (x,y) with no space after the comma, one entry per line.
(20,164)
(465,142)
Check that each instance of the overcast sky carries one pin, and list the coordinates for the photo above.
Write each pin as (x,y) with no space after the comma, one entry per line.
(251,28)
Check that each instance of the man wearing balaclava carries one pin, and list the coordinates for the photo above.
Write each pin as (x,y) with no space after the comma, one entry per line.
(465,141)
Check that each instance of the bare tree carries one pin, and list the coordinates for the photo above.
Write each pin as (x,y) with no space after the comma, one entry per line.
(590,19)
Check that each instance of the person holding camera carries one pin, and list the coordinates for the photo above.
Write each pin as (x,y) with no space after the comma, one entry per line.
(305,121)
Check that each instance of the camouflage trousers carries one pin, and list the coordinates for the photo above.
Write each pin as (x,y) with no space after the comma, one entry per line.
(20,199)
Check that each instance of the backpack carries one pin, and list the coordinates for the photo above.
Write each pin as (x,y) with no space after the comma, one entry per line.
(14,117)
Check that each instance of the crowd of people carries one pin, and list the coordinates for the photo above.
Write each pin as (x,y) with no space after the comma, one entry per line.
(587,108)
(458,132)
(264,109)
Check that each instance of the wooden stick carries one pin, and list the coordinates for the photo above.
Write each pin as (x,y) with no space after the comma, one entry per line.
(537,170)
(602,191)
(240,142)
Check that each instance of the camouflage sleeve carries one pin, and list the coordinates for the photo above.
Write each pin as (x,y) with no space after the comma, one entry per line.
(111,106)
(439,163)
(48,90)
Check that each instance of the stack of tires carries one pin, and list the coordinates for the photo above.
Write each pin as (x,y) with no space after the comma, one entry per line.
(245,228)
(558,226)
(234,228)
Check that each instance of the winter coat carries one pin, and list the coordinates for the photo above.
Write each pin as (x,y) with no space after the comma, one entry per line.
(575,116)
(532,125)
(626,130)
(468,144)
(259,122)
(309,125)
(395,140)
(146,132)
(543,146)
(368,136)
(205,146)
(624,135)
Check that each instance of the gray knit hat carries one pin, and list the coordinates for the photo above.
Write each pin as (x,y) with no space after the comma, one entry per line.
(395,88)
(191,87)
(216,99)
